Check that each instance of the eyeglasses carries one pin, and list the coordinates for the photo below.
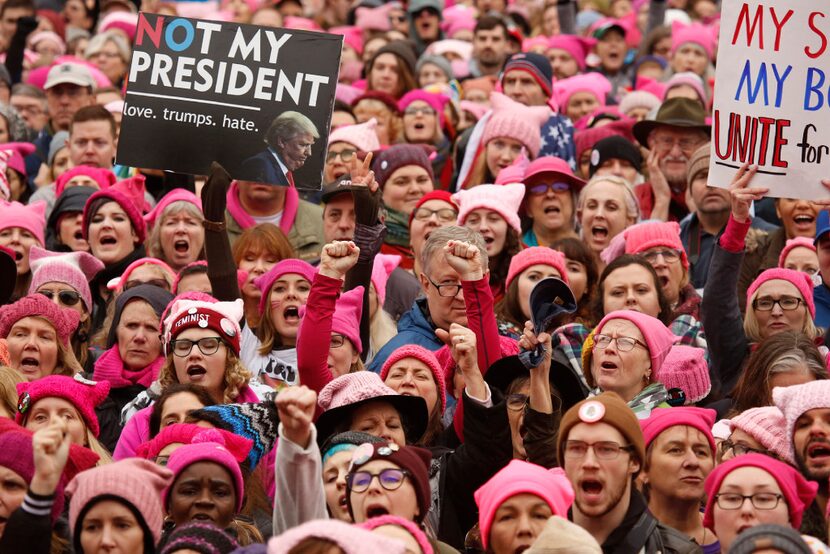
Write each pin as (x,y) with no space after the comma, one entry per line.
(397,18)
(65,297)
(739,449)
(207,346)
(624,344)
(516,402)
(447,291)
(445,215)
(760,500)
(539,190)
(390,479)
(604,450)
(160,283)
(345,155)
(767,303)
(670,256)
(685,144)
(425,111)
(337,340)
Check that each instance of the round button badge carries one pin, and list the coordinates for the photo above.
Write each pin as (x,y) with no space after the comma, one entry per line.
(591,412)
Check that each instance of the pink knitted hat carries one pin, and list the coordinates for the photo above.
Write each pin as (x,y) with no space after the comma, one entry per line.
(373,19)
(536,255)
(638,99)
(458,18)
(362,136)
(658,337)
(346,318)
(661,419)
(129,194)
(207,446)
(410,526)
(795,400)
(427,357)
(175,195)
(520,477)
(435,101)
(595,83)
(31,217)
(104,177)
(577,47)
(798,492)
(183,433)
(352,36)
(511,119)
(505,200)
(792,244)
(123,21)
(639,238)
(222,317)
(14,154)
(689,79)
(138,482)
(118,283)
(64,320)
(382,268)
(83,394)
(351,539)
(75,269)
(284,267)
(768,426)
(696,34)
(802,282)
(685,368)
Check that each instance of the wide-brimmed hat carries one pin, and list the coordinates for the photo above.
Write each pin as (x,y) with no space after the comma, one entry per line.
(679,113)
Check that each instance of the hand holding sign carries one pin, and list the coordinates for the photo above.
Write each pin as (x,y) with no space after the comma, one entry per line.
(743,196)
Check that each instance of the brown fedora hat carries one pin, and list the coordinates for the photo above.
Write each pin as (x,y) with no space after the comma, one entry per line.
(682,113)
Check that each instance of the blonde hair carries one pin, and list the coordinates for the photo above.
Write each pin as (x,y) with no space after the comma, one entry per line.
(67,362)
(236,376)
(154,248)
(752,328)
(631,204)
(104,456)
(9,378)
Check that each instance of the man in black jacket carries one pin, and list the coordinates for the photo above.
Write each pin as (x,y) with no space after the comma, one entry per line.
(602,450)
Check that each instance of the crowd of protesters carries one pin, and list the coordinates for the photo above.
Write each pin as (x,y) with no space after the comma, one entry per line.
(514,316)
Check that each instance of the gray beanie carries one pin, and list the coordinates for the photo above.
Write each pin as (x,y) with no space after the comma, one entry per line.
(768,537)
(439,61)
(59,140)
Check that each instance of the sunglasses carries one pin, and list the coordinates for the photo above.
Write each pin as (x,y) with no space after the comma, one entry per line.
(65,297)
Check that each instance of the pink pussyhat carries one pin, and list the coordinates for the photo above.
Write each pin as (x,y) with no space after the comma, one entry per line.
(175,195)
(593,83)
(802,282)
(104,177)
(458,18)
(795,400)
(129,194)
(792,244)
(685,368)
(578,47)
(661,419)
(64,320)
(76,269)
(346,318)
(658,337)
(284,267)
(688,79)
(427,357)
(84,395)
(435,101)
(533,256)
(373,19)
(505,200)
(696,34)
(118,283)
(511,119)
(184,433)
(410,526)
(362,136)
(651,234)
(520,477)
(382,267)
(768,426)
(31,217)
(351,539)
(352,36)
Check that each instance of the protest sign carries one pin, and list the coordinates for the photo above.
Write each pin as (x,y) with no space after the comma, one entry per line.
(772,96)
(258,100)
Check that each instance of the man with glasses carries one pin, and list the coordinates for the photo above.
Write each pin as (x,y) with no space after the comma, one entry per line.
(30,103)
(446,277)
(671,137)
(806,409)
(601,448)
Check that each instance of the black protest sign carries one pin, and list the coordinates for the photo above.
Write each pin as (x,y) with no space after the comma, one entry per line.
(258,100)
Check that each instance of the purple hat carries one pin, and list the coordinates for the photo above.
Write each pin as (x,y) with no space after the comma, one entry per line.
(395,157)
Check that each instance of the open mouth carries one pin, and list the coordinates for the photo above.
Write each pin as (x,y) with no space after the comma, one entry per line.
(599,232)
(181,246)
(419,126)
(79,235)
(591,487)
(664,281)
(552,210)
(611,366)
(376,511)
(818,450)
(18,256)
(341,501)
(804,220)
(489,240)
(339,173)
(201,517)
(196,371)
(108,241)
(29,362)
(522,548)
(291,314)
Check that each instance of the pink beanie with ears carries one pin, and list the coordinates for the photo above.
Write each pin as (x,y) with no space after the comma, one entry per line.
(792,244)
(533,256)
(520,477)
(31,217)
(84,395)
(362,136)
(435,101)
(646,235)
(410,526)
(129,194)
(423,355)
(594,83)
(104,177)
(175,195)
(577,47)
(346,318)
(505,200)
(513,120)
(800,280)
(696,34)
(76,269)
(64,320)
(382,268)
(658,337)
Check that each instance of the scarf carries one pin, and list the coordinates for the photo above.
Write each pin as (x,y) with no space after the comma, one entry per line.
(397,226)
(110,367)
(289,209)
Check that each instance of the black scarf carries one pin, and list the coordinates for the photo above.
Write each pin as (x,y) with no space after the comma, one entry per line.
(117,269)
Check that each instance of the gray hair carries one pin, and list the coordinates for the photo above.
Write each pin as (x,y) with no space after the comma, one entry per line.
(97,43)
(631,204)
(288,125)
(29,91)
(794,358)
(154,247)
(438,240)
